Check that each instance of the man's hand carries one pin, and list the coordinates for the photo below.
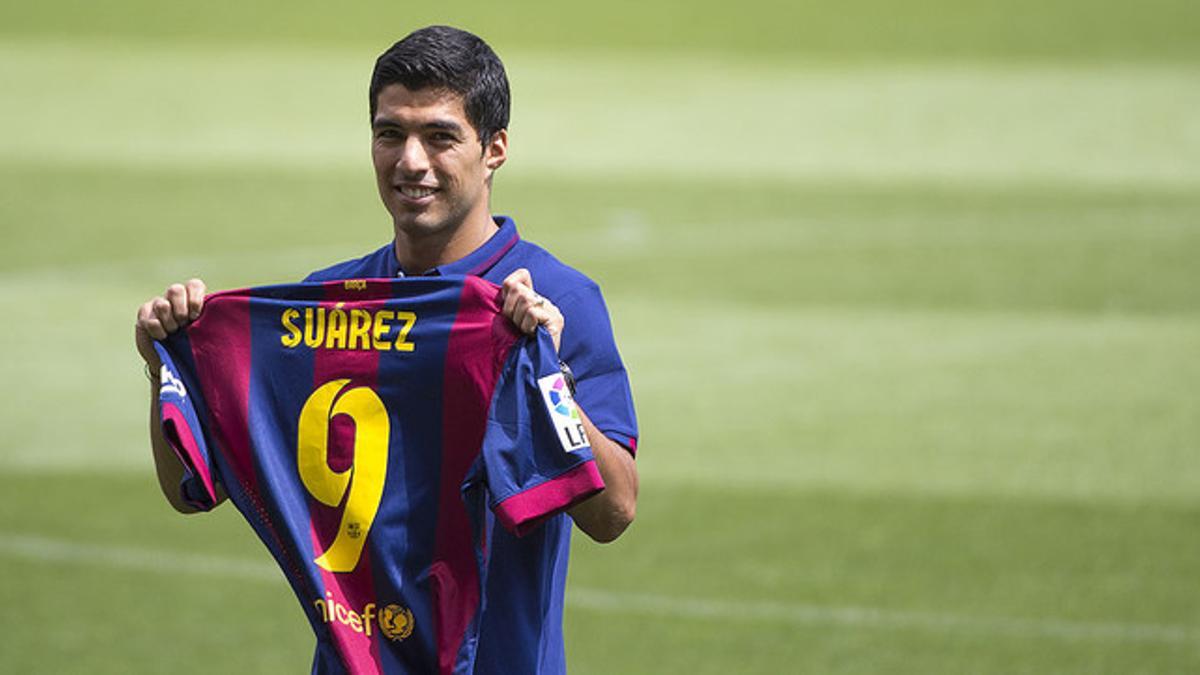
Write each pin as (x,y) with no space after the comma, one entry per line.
(156,319)
(526,309)
(604,516)
(159,317)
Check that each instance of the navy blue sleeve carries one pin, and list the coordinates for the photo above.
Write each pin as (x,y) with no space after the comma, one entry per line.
(536,457)
(589,349)
(181,427)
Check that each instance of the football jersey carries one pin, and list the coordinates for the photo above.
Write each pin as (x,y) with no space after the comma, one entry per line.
(588,345)
(396,444)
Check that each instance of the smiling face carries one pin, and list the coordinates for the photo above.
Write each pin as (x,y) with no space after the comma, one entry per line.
(432,173)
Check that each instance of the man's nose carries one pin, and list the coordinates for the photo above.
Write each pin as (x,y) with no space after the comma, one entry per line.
(413,158)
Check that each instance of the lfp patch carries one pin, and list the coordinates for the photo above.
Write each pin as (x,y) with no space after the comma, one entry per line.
(564,414)
(171,384)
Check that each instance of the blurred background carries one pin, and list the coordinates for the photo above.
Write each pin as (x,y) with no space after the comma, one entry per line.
(908,293)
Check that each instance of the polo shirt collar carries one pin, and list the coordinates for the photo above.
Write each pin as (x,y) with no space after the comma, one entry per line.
(482,259)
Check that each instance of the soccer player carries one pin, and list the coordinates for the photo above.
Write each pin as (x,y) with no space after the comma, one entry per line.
(439,108)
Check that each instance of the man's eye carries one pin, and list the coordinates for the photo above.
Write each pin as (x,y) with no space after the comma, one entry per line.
(387,133)
(443,137)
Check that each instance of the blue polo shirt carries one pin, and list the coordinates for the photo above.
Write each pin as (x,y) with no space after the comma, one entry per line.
(587,344)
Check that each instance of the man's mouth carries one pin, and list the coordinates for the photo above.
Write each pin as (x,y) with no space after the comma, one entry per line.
(415,191)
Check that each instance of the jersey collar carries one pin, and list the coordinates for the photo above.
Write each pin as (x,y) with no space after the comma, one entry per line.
(482,259)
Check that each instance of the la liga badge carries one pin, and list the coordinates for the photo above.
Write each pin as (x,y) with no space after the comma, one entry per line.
(564,414)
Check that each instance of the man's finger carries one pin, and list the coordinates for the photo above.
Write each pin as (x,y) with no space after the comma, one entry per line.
(155,330)
(514,287)
(546,315)
(166,315)
(195,297)
(529,310)
(148,322)
(518,315)
(511,298)
(520,277)
(529,323)
(176,294)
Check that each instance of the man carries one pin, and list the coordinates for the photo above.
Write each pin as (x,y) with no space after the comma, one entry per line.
(439,104)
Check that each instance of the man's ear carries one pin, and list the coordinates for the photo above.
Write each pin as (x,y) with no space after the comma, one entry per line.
(495,152)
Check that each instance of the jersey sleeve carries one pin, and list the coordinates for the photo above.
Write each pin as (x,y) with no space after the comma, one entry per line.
(180,423)
(589,349)
(537,461)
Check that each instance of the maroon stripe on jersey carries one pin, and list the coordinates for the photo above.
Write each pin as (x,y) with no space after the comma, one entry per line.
(221,350)
(352,590)
(478,343)
(220,341)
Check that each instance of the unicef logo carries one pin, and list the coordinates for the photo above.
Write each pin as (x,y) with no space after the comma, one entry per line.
(559,397)
(396,622)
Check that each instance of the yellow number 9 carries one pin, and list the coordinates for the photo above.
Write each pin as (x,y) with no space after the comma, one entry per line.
(369,467)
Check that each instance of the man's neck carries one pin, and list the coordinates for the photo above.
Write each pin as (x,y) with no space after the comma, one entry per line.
(418,255)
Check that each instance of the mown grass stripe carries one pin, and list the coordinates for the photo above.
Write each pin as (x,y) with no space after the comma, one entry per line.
(159,561)
(1099,124)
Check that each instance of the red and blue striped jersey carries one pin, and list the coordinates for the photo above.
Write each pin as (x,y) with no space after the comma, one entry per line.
(405,455)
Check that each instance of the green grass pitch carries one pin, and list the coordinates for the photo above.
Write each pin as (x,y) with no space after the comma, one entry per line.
(908,293)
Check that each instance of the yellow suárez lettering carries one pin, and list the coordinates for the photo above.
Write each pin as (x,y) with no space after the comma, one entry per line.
(293,334)
(402,343)
(314,331)
(360,329)
(379,332)
(335,334)
(353,329)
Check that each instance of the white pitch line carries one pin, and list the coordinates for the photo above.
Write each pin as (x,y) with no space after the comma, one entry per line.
(158,561)
(871,617)
(134,558)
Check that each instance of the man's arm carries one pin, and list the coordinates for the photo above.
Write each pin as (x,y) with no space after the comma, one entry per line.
(157,318)
(607,514)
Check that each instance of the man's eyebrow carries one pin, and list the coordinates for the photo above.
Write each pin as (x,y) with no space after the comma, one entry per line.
(444,125)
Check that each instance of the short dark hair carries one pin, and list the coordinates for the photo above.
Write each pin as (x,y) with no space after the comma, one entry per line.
(448,58)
